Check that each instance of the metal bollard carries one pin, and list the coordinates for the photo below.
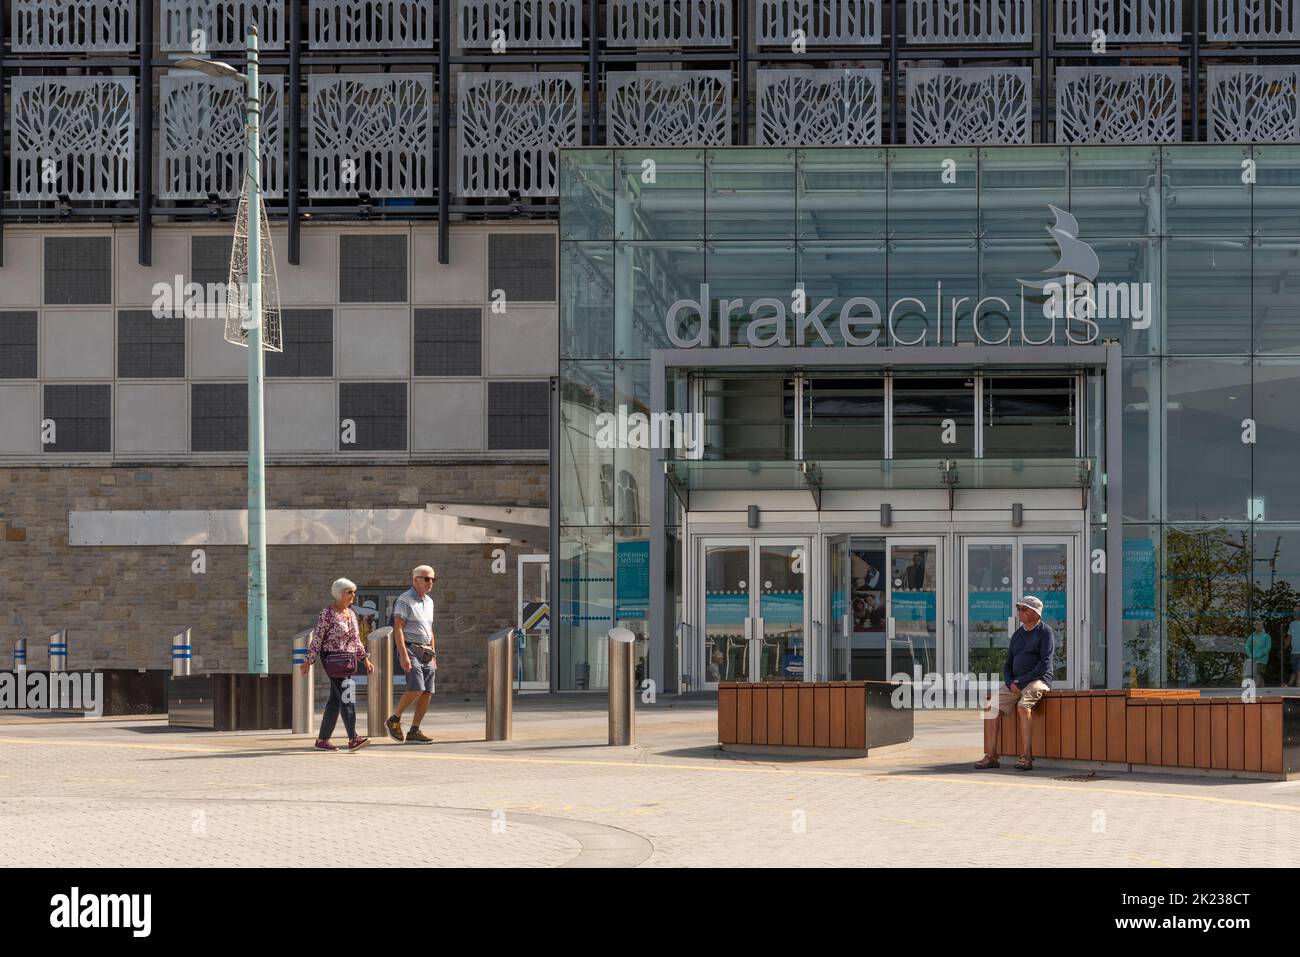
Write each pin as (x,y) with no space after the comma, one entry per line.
(20,654)
(182,654)
(379,686)
(58,646)
(304,687)
(622,690)
(500,668)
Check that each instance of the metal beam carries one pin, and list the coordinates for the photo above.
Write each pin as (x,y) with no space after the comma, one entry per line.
(144,154)
(553,547)
(295,131)
(1114,578)
(444,134)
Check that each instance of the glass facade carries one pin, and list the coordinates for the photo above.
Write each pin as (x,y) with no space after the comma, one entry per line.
(1198,249)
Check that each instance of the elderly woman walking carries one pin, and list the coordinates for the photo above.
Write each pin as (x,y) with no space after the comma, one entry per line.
(337,642)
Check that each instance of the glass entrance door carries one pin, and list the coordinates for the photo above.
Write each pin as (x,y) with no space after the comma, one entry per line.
(755,614)
(914,607)
(997,573)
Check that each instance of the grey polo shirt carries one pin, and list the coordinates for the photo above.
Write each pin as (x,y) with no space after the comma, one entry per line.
(417,616)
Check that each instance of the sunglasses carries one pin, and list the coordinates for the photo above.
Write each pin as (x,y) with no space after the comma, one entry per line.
(424,578)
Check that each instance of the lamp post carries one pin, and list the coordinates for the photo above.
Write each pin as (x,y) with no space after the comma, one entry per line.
(257,641)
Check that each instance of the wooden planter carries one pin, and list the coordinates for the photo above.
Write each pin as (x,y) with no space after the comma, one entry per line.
(831,718)
(1164,730)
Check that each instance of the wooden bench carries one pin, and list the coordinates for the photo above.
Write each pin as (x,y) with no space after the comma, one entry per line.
(1166,730)
(826,718)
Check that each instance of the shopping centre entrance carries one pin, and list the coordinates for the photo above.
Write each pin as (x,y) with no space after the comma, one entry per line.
(868,605)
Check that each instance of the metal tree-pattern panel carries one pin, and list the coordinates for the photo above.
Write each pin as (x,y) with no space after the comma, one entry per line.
(523,23)
(970,21)
(370,133)
(824,22)
(72,135)
(387,24)
(1253,20)
(1254,104)
(73,26)
(224,23)
(201,137)
(510,127)
(1117,104)
(819,107)
(667,23)
(663,108)
(968,107)
(1123,20)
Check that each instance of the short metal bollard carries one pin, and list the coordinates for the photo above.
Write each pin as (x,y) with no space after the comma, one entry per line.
(20,654)
(182,654)
(379,685)
(500,669)
(58,646)
(622,690)
(304,688)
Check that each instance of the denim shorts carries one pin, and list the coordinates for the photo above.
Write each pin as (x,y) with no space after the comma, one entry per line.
(420,677)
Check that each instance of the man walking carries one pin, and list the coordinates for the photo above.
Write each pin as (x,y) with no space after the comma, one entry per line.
(1026,676)
(413,635)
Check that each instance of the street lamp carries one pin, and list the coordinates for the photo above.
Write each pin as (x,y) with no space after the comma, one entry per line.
(252,324)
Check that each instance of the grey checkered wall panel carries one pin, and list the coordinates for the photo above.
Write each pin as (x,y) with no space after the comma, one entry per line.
(449,342)
(18,345)
(149,347)
(78,270)
(308,344)
(219,417)
(379,411)
(372,268)
(518,415)
(82,415)
(210,259)
(522,265)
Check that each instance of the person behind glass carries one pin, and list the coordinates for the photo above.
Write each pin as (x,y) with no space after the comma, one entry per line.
(1026,676)
(337,640)
(413,635)
(1257,648)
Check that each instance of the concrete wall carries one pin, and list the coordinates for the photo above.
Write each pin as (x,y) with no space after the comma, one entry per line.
(122,604)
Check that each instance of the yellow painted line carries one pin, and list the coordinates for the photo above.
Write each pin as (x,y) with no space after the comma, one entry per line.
(982,780)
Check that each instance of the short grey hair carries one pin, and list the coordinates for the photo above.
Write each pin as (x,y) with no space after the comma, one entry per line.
(342,585)
(415,572)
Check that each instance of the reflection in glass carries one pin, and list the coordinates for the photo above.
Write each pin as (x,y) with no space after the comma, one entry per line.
(748,419)
(1276,490)
(750,194)
(1275,298)
(586,575)
(586,194)
(844,419)
(1143,417)
(913,605)
(922,200)
(1207,464)
(1207,295)
(632,461)
(988,607)
(1204,191)
(1142,610)
(1207,578)
(648,278)
(1045,573)
(841,194)
(928,412)
(1017,185)
(1276,601)
(1030,415)
(660,194)
(1277,191)
(1115,190)
(726,606)
(586,300)
(869,587)
(587,480)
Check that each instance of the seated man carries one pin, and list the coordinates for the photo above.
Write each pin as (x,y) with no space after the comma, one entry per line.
(1026,676)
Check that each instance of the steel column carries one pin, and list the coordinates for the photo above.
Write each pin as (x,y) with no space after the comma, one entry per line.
(444,129)
(295,130)
(144,174)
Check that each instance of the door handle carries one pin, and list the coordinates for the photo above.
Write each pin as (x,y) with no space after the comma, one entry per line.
(749,628)
(1011,626)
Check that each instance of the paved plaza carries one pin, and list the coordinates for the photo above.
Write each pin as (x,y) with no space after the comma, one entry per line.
(111,792)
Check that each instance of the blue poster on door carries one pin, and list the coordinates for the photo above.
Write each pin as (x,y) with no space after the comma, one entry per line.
(913,606)
(726,608)
(632,580)
(989,606)
(1055,605)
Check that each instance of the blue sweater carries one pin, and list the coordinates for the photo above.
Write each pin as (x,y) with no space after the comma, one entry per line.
(1029,655)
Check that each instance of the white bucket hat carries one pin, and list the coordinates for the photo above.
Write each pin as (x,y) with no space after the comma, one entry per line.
(1033,604)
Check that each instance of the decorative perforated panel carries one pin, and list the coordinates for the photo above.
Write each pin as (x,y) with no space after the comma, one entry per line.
(510,127)
(1117,104)
(224,24)
(201,137)
(1253,20)
(1119,20)
(1254,104)
(523,23)
(370,133)
(668,23)
(73,26)
(73,135)
(970,21)
(819,107)
(390,24)
(659,108)
(968,107)
(823,22)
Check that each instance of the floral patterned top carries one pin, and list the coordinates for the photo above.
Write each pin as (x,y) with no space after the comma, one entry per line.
(335,631)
